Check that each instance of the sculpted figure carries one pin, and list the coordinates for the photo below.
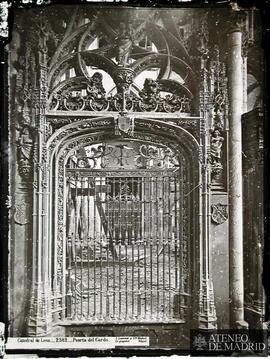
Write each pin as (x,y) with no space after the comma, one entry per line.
(124,43)
(25,144)
(149,95)
(216,146)
(95,87)
(150,90)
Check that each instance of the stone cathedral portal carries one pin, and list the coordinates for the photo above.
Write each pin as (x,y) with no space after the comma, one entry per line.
(128,207)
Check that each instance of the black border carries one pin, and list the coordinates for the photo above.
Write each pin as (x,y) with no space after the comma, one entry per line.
(264,7)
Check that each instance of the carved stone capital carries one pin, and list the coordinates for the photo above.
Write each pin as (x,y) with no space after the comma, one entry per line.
(242,21)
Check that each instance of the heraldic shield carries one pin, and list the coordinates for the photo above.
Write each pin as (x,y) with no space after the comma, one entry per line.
(219,213)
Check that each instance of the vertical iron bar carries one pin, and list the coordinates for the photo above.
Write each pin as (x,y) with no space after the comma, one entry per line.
(169,242)
(126,246)
(151,246)
(113,254)
(163,242)
(100,248)
(107,207)
(126,209)
(157,242)
(144,245)
(180,217)
(81,242)
(88,247)
(120,244)
(138,240)
(132,249)
(176,236)
(75,248)
(95,246)
(189,203)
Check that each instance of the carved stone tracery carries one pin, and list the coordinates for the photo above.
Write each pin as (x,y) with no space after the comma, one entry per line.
(149,98)
(219,96)
(113,156)
(85,92)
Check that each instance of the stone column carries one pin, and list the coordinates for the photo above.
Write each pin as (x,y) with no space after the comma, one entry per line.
(244,74)
(40,315)
(235,92)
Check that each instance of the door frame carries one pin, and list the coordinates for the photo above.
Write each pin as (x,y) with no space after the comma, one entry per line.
(50,194)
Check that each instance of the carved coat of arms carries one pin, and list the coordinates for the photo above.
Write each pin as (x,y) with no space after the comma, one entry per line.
(21,213)
(219,213)
(124,124)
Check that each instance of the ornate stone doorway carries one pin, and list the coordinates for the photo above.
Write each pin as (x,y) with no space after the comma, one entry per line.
(127,234)
(121,177)
(125,144)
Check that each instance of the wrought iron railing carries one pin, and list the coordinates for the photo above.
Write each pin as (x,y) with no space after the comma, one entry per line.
(125,248)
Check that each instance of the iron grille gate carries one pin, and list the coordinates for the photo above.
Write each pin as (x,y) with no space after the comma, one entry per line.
(124,246)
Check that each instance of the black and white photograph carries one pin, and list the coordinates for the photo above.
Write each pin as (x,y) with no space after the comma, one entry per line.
(134,177)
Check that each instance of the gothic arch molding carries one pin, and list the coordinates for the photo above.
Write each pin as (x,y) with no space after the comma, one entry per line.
(67,147)
(72,82)
(180,134)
